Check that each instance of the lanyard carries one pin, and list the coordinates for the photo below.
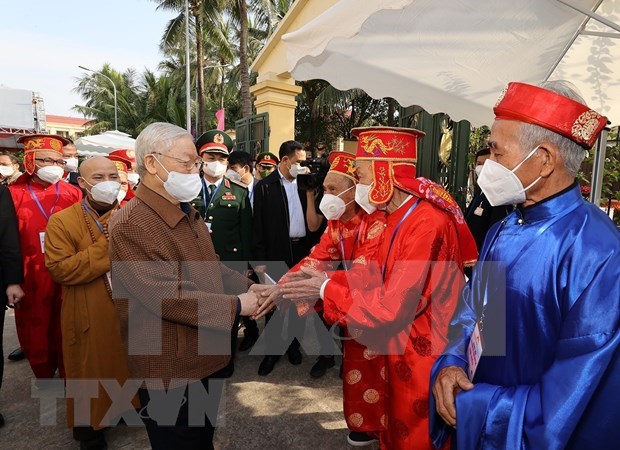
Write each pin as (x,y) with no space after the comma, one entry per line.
(211,197)
(92,217)
(387,257)
(342,254)
(36,200)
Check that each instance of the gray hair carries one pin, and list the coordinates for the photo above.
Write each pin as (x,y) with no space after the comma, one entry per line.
(158,137)
(532,135)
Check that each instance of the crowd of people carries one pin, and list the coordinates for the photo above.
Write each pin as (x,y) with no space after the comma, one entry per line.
(132,274)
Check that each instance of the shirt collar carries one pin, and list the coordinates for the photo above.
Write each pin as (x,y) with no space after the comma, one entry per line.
(552,205)
(169,212)
(217,183)
(285,179)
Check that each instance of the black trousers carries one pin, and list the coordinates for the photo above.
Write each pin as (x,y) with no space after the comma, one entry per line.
(181,436)
(2,313)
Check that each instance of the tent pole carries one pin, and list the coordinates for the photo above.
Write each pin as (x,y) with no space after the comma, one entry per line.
(591,14)
(598,168)
(570,42)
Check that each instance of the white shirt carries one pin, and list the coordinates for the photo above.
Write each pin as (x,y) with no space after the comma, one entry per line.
(296,215)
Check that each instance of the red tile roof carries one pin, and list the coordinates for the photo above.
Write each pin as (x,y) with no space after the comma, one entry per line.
(66,120)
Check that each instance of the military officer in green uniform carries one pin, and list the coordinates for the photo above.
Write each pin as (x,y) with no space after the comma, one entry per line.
(224,204)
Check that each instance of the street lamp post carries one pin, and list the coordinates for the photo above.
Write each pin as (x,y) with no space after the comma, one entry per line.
(113,85)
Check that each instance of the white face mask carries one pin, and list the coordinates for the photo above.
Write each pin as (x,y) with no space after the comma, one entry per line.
(121,195)
(478,169)
(183,187)
(6,171)
(105,192)
(296,169)
(362,192)
(72,164)
(133,179)
(500,185)
(233,175)
(215,169)
(51,174)
(332,206)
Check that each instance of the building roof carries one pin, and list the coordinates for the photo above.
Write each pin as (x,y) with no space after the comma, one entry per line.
(50,118)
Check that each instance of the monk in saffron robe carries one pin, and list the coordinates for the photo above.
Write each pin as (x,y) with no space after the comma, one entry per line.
(76,255)
(37,195)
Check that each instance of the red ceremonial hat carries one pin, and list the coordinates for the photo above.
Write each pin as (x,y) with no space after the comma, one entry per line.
(539,106)
(40,142)
(386,147)
(344,164)
(127,157)
(120,166)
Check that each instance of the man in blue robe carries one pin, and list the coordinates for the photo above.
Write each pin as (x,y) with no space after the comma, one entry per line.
(542,307)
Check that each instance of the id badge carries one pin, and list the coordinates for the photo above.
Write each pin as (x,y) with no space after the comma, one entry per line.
(42,240)
(478,211)
(474,351)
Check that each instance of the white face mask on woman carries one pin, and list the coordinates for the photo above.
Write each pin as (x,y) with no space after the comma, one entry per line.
(72,164)
(500,185)
(183,187)
(6,171)
(332,206)
(51,174)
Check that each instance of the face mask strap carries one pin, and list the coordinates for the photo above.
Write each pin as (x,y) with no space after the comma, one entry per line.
(345,191)
(526,158)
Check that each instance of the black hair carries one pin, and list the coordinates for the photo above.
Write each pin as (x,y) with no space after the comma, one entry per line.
(483,152)
(240,157)
(289,148)
(13,158)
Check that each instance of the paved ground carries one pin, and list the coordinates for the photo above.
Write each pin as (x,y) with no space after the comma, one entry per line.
(286,410)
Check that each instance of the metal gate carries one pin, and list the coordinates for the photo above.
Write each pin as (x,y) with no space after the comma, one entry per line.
(450,172)
(252,134)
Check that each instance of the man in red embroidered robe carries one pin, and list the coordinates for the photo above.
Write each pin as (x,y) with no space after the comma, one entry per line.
(398,305)
(37,194)
(351,234)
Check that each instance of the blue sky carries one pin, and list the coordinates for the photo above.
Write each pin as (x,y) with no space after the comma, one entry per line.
(45,41)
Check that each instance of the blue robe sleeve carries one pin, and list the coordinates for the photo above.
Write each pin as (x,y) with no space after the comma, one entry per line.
(461,328)
(545,415)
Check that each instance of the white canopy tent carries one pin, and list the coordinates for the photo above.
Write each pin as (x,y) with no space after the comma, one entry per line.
(104,143)
(457,57)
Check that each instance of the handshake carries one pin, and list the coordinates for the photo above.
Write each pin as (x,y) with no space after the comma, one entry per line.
(260,299)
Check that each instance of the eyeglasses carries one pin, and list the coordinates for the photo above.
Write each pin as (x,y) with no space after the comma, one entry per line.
(189,165)
(58,162)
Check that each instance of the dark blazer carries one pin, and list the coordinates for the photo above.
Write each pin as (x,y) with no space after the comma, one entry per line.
(270,231)
(480,221)
(11,263)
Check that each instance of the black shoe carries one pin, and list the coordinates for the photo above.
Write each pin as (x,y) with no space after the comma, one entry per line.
(267,365)
(249,339)
(1,420)
(321,365)
(16,355)
(360,439)
(97,443)
(294,356)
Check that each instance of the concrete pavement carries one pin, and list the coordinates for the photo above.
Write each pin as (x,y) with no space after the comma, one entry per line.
(285,410)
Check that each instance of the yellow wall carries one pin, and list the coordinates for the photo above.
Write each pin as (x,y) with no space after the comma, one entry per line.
(275,90)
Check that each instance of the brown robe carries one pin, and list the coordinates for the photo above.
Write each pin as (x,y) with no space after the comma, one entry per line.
(76,255)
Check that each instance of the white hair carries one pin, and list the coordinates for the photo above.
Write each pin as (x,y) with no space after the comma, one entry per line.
(533,135)
(158,137)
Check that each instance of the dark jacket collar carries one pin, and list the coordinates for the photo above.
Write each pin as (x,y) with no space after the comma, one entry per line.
(553,205)
(169,212)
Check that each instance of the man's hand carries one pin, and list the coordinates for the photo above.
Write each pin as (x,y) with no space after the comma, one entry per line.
(306,289)
(289,277)
(267,301)
(259,289)
(249,303)
(450,381)
(14,293)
